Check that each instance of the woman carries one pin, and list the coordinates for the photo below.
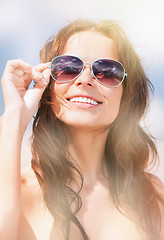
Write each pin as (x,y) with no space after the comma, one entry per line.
(89,152)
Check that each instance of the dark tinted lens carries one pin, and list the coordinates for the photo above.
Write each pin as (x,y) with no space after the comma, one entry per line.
(66,68)
(108,72)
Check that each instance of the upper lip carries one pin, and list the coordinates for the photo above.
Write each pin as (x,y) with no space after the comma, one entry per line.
(87,96)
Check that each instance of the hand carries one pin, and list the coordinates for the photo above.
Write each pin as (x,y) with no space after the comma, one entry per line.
(16,79)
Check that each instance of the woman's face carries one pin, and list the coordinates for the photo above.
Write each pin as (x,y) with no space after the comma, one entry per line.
(92,45)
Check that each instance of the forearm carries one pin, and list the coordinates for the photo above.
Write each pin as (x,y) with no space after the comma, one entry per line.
(20,105)
(10,182)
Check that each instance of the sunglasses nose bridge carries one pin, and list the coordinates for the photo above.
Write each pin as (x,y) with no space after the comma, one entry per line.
(87,64)
(87,73)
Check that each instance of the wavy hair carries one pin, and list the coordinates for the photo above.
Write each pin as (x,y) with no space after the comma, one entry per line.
(129,149)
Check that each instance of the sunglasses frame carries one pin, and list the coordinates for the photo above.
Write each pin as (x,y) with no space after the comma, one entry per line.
(84,63)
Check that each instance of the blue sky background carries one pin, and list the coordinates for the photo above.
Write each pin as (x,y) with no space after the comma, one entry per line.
(25,26)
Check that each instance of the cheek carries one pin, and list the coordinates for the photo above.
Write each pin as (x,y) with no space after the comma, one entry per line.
(113,101)
(112,95)
(116,96)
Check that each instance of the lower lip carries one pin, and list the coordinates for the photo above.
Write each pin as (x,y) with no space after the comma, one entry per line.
(83,105)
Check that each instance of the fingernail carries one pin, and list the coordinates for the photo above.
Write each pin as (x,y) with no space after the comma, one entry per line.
(44,81)
(39,75)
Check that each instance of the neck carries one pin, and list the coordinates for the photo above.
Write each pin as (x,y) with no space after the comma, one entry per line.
(87,149)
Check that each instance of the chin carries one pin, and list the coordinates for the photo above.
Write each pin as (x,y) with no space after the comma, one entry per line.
(84,122)
(87,119)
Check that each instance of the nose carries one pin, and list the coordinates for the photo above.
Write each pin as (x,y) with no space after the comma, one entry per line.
(86,78)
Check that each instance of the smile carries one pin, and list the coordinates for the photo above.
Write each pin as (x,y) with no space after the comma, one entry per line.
(84,100)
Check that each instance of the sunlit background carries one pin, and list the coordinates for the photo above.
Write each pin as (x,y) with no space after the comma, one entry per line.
(25,26)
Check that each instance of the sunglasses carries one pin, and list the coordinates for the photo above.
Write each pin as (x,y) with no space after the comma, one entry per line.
(108,72)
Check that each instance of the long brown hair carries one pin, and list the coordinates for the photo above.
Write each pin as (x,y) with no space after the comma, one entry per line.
(128,147)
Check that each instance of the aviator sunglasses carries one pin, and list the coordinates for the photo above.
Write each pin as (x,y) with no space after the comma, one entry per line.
(108,72)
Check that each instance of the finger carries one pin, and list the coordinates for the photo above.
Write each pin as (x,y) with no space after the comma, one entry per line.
(33,96)
(42,66)
(19,64)
(18,72)
(46,74)
(38,78)
(41,74)
(13,67)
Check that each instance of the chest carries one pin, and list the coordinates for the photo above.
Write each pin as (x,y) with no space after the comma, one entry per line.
(101,220)
(98,216)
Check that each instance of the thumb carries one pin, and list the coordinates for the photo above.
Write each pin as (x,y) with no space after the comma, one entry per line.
(33,96)
(46,74)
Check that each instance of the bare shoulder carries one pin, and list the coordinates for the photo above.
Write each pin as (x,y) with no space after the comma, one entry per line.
(31,202)
(28,177)
(36,221)
(31,193)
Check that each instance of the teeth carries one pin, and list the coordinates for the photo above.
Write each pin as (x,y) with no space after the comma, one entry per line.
(84,100)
